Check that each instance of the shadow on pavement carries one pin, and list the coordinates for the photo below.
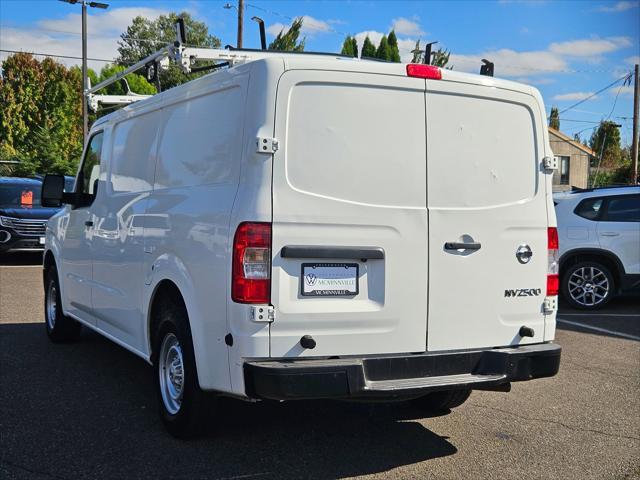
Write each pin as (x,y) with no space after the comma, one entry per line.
(20,259)
(89,410)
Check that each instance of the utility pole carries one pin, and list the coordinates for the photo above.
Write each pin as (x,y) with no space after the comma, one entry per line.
(85,82)
(240,21)
(634,142)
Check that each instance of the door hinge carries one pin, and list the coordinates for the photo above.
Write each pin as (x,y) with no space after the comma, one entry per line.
(263,313)
(550,163)
(550,305)
(267,145)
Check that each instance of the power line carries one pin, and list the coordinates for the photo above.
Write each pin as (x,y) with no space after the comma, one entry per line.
(58,56)
(594,94)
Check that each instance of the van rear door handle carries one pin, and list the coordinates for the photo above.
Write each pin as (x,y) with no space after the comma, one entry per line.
(609,234)
(462,246)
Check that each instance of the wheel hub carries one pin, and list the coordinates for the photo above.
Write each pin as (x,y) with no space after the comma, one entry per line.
(589,286)
(171,371)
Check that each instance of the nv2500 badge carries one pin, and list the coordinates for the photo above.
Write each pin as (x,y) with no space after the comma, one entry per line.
(523,292)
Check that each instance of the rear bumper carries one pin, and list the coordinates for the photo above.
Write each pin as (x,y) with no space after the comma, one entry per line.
(398,376)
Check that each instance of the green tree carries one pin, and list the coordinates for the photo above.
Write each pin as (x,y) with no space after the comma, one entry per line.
(137,83)
(394,51)
(350,47)
(440,57)
(288,41)
(383,52)
(554,118)
(368,48)
(145,36)
(605,141)
(40,115)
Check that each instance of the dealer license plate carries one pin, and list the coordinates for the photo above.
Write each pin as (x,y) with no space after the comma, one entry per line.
(329,279)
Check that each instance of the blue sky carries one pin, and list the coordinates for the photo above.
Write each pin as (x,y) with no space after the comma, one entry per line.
(567,49)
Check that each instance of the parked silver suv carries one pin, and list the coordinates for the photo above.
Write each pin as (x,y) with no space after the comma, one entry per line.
(599,233)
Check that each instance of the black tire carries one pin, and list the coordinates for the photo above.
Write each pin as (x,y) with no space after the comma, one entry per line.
(195,407)
(442,401)
(578,296)
(59,327)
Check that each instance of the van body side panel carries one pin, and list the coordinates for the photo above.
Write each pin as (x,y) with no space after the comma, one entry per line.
(117,242)
(187,220)
(350,172)
(485,187)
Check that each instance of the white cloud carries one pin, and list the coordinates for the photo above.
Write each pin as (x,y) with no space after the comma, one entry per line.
(619,7)
(275,28)
(535,81)
(632,60)
(590,47)
(510,63)
(625,91)
(310,27)
(404,26)
(62,36)
(574,96)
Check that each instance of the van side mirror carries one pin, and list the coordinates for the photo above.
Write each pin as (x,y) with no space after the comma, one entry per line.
(52,190)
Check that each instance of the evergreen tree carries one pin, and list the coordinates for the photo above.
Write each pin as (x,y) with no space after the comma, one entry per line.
(607,135)
(393,47)
(350,47)
(288,41)
(383,52)
(145,36)
(368,48)
(554,118)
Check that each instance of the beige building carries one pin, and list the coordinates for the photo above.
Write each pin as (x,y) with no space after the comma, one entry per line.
(573,161)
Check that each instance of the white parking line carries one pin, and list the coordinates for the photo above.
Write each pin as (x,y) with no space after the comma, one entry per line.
(20,266)
(601,314)
(598,329)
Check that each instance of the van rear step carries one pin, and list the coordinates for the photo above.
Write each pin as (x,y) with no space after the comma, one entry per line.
(432,382)
(397,376)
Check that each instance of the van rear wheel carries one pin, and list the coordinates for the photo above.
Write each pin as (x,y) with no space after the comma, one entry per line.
(442,401)
(60,328)
(184,408)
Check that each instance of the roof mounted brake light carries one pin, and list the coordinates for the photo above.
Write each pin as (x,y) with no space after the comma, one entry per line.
(419,70)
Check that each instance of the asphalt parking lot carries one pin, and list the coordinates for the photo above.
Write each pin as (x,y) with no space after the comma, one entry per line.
(88,410)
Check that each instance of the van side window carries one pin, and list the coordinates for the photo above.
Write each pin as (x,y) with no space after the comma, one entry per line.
(88,176)
(589,208)
(623,209)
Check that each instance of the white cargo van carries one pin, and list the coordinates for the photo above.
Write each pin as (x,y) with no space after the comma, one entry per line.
(304,226)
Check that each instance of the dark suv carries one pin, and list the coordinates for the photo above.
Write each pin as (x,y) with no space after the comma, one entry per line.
(22,219)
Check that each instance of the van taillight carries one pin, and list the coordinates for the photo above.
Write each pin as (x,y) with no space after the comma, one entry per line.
(419,70)
(251,264)
(553,279)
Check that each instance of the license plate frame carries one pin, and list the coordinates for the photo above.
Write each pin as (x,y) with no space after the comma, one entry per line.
(305,283)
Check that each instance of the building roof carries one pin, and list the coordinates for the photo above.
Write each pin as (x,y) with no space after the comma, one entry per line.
(570,140)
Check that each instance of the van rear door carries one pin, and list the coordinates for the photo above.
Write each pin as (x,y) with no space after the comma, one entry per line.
(349,214)
(486,200)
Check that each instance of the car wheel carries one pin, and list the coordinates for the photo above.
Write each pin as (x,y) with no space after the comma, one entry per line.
(588,285)
(442,401)
(184,408)
(60,328)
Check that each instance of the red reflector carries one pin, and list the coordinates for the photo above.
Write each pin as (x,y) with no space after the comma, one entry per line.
(251,265)
(552,238)
(424,71)
(553,285)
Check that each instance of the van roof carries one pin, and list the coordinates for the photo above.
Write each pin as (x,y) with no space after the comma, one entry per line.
(329,62)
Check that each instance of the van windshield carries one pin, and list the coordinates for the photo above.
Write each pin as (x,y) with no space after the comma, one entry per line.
(25,196)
